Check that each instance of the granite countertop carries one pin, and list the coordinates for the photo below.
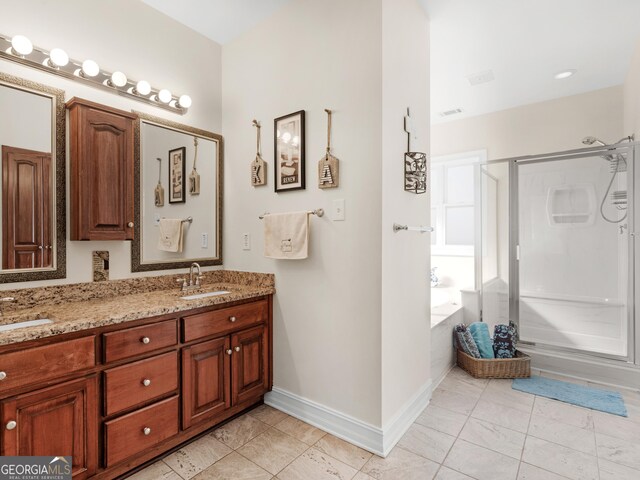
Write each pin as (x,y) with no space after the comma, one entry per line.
(90,305)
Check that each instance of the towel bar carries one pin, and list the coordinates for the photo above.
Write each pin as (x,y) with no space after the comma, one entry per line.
(319,212)
(188,220)
(397,227)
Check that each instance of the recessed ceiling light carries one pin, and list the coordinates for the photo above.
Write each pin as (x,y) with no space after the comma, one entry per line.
(564,74)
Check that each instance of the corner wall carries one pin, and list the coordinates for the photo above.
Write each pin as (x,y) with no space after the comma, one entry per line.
(120,35)
(406,317)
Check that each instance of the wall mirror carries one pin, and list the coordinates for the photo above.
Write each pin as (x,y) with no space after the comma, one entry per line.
(178,196)
(32,141)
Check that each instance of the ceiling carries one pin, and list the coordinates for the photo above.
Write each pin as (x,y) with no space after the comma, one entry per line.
(525,43)
(219,20)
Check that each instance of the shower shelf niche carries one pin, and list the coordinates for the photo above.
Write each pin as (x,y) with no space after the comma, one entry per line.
(571,205)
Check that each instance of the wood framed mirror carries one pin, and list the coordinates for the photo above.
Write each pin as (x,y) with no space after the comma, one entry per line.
(177,196)
(32,144)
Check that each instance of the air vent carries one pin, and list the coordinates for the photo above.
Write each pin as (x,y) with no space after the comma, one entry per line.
(479,78)
(448,113)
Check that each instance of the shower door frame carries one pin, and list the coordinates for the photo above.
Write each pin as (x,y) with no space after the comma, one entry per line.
(633,332)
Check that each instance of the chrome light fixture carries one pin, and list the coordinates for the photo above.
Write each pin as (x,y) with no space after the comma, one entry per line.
(19,49)
(21,45)
(58,58)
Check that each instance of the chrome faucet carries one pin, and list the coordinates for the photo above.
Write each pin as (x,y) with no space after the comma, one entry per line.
(194,281)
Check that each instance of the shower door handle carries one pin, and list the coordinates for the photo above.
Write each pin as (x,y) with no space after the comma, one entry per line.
(518,253)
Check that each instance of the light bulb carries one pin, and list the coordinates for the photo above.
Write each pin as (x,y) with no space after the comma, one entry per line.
(21,45)
(90,68)
(58,57)
(118,79)
(143,88)
(184,101)
(164,95)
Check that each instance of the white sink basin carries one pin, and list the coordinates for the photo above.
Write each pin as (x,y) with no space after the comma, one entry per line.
(205,295)
(27,323)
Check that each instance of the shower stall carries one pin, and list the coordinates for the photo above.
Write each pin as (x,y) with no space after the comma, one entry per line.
(555,254)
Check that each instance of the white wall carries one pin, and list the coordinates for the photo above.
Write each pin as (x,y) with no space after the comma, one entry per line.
(314,55)
(119,35)
(405,255)
(542,127)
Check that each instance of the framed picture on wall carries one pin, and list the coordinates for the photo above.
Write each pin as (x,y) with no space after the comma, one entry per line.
(176,175)
(289,152)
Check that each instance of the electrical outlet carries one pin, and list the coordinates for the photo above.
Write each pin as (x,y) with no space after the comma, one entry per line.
(204,240)
(246,241)
(338,210)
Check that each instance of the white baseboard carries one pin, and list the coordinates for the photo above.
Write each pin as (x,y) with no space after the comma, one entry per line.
(371,438)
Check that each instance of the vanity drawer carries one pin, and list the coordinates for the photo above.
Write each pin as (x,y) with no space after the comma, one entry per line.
(139,382)
(140,430)
(138,340)
(38,364)
(224,320)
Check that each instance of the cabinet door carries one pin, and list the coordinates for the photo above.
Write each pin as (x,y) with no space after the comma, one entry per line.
(250,377)
(206,389)
(101,172)
(56,421)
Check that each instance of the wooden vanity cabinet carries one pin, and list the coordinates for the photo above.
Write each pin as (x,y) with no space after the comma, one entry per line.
(60,420)
(102,171)
(117,397)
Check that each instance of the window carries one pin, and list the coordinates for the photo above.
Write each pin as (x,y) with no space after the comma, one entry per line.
(453,212)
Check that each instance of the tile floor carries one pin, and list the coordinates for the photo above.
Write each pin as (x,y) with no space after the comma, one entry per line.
(472,429)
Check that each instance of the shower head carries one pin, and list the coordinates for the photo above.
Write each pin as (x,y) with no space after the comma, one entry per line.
(592,140)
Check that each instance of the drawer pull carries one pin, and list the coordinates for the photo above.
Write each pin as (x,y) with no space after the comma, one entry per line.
(11,425)
(145,340)
(3,375)
(229,352)
(146,431)
(232,319)
(237,349)
(146,382)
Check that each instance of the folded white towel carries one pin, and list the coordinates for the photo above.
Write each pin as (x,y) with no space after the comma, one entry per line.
(170,235)
(286,235)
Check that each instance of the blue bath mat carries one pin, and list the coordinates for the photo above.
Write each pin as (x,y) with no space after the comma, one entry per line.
(602,400)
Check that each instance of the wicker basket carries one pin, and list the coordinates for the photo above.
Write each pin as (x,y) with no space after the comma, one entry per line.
(518,367)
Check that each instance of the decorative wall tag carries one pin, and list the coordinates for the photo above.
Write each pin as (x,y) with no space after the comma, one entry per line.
(329,166)
(415,163)
(194,176)
(159,191)
(258,166)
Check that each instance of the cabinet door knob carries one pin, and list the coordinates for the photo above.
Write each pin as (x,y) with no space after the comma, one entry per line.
(146,382)
(39,247)
(145,340)
(11,425)
(146,431)
(130,224)
(232,319)
(229,352)
(3,375)
(237,349)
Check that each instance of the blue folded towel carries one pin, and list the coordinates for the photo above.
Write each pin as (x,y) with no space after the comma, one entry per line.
(480,333)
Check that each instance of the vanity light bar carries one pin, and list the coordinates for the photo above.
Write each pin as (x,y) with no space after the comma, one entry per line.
(57,62)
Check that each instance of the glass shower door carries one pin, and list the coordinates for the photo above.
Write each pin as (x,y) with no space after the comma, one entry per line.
(573,254)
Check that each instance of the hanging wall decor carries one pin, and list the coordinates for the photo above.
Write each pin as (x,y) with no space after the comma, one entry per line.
(159,191)
(194,176)
(258,166)
(289,152)
(176,175)
(415,163)
(328,167)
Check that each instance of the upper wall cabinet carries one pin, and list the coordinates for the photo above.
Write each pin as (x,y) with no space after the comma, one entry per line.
(102,177)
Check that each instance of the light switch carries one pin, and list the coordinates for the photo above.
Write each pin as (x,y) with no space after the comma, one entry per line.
(338,210)
(205,240)
(246,241)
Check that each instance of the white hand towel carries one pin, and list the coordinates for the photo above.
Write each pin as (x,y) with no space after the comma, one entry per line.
(170,235)
(286,235)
